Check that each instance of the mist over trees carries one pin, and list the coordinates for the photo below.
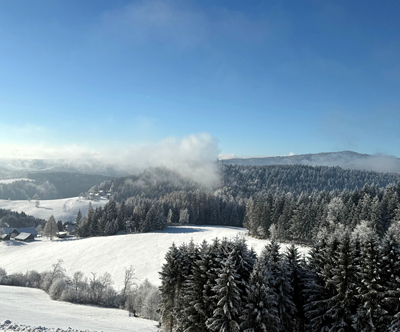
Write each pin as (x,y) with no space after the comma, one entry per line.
(288,202)
(48,185)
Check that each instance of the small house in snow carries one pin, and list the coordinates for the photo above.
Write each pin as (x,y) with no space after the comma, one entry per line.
(12,232)
(70,229)
(31,230)
(4,237)
(25,237)
(61,235)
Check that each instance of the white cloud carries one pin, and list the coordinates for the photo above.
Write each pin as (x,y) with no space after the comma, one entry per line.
(193,156)
(224,156)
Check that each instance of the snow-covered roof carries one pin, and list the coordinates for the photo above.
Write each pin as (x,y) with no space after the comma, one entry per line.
(24,237)
(9,230)
(4,237)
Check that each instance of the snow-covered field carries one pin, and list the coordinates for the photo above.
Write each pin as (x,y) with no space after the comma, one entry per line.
(145,252)
(7,181)
(33,307)
(64,209)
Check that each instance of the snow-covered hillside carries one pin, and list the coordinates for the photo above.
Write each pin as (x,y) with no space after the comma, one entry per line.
(145,252)
(62,209)
(34,307)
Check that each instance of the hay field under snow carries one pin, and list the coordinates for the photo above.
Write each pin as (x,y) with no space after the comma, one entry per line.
(145,252)
(34,307)
(65,209)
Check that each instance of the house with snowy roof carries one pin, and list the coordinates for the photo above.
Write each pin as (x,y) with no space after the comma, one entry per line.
(13,232)
(4,237)
(25,237)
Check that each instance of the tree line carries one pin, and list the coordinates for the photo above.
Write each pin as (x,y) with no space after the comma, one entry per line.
(10,218)
(289,217)
(351,282)
(139,299)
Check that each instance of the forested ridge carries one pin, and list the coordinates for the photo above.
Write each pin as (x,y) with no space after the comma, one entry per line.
(289,202)
(50,185)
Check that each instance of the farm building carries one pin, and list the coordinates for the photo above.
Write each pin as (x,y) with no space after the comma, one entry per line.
(25,237)
(13,232)
(31,230)
(70,229)
(4,237)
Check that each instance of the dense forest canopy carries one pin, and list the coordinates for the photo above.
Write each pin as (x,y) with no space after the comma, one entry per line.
(18,220)
(349,283)
(288,202)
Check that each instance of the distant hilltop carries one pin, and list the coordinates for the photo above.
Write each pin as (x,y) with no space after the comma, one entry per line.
(344,159)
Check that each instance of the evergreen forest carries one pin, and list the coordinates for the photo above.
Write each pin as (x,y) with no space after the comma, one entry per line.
(350,282)
(287,203)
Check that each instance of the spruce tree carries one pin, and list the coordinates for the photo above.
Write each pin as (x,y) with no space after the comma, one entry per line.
(297,276)
(370,313)
(50,228)
(169,289)
(195,301)
(280,282)
(390,273)
(260,312)
(226,315)
(342,304)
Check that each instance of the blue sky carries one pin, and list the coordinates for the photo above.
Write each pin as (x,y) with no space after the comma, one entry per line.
(260,77)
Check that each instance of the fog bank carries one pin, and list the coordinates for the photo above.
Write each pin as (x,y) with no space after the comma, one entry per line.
(193,157)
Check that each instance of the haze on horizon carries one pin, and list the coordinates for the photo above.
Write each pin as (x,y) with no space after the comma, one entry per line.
(185,82)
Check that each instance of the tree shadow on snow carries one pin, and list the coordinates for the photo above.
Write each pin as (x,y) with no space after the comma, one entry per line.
(14,243)
(179,230)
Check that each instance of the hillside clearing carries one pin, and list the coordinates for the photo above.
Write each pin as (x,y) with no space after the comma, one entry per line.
(64,209)
(145,252)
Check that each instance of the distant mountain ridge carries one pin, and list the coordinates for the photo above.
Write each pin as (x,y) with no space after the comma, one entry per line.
(21,167)
(344,159)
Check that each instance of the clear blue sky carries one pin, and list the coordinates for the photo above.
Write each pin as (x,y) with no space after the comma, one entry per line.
(262,77)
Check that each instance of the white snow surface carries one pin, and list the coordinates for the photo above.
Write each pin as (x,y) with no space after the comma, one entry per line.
(8,181)
(33,307)
(65,209)
(113,254)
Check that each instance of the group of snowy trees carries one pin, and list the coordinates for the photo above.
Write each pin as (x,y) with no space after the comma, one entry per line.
(141,300)
(351,282)
(142,215)
(18,220)
(289,202)
(289,217)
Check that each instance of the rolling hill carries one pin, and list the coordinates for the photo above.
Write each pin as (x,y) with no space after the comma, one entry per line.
(145,252)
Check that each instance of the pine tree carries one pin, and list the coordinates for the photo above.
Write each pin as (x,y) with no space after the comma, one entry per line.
(279,272)
(297,276)
(50,228)
(78,218)
(390,273)
(169,275)
(226,315)
(342,304)
(370,314)
(314,287)
(260,312)
(195,302)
